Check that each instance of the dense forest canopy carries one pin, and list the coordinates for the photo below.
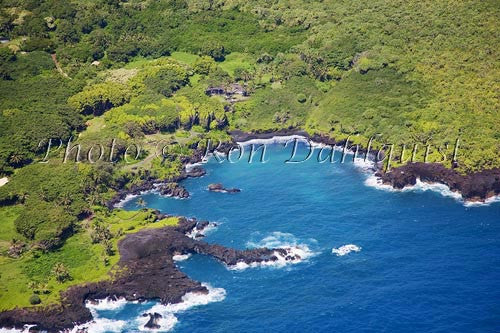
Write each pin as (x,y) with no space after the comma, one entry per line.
(410,72)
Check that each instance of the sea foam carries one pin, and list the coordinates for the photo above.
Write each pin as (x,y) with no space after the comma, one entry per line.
(107,304)
(209,228)
(346,249)
(420,186)
(181,257)
(189,300)
(128,197)
(486,202)
(167,322)
(278,240)
(100,325)
(274,139)
(26,329)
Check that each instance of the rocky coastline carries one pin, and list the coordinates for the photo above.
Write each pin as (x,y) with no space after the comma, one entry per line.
(221,189)
(474,187)
(146,271)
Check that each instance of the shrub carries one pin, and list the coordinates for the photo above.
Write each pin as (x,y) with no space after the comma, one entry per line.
(98,98)
(301,98)
(214,49)
(35,299)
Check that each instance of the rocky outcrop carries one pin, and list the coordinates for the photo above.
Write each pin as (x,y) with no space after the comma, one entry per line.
(476,186)
(220,188)
(152,323)
(152,184)
(147,271)
(194,172)
(174,190)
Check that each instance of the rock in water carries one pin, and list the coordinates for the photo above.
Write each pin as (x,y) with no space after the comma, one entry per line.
(153,320)
(195,171)
(174,190)
(220,188)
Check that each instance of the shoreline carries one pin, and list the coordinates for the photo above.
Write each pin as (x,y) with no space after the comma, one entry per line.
(479,188)
(148,272)
(475,189)
(148,278)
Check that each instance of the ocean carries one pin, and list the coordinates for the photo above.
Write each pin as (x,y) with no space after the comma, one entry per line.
(374,259)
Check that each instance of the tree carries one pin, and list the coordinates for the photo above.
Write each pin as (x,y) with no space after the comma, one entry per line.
(66,32)
(60,272)
(108,248)
(204,65)
(165,79)
(98,98)
(213,49)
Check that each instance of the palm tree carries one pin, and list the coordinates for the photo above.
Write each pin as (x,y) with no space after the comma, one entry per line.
(61,272)
(23,196)
(65,199)
(16,158)
(33,286)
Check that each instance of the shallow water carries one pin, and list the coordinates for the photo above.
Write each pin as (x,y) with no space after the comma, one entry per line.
(414,261)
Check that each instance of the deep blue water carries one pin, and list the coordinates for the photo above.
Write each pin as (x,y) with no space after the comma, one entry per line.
(427,263)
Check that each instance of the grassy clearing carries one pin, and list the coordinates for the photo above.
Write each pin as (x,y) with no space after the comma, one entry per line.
(185,57)
(7,230)
(84,260)
(237,60)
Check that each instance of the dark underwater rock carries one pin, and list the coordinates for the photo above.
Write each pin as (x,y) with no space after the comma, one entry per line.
(220,188)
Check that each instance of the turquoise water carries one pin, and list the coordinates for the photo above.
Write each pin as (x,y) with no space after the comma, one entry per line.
(426,262)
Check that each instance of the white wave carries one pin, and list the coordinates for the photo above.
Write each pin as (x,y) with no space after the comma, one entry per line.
(209,228)
(106,304)
(300,252)
(181,257)
(190,166)
(486,202)
(442,189)
(189,300)
(364,164)
(420,186)
(100,325)
(376,182)
(166,322)
(127,198)
(345,249)
(26,329)
(274,139)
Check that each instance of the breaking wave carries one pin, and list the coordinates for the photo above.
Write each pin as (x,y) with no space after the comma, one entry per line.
(278,240)
(189,300)
(420,186)
(274,139)
(181,257)
(209,228)
(167,312)
(346,249)
(106,304)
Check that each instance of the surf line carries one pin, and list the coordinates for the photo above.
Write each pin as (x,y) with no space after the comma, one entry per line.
(327,152)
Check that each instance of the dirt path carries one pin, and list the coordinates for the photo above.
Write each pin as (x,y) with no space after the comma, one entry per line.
(58,66)
(3,181)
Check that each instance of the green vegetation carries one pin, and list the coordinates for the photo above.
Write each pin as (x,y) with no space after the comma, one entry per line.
(81,259)
(111,75)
